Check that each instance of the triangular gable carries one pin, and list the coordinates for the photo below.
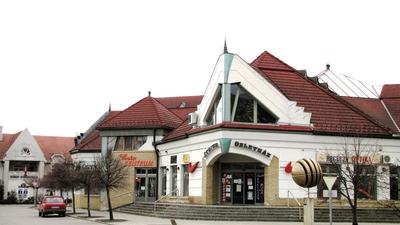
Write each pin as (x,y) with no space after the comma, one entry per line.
(230,68)
(25,148)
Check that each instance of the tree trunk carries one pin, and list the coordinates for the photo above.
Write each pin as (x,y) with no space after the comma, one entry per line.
(36,195)
(73,200)
(88,202)
(354,216)
(110,210)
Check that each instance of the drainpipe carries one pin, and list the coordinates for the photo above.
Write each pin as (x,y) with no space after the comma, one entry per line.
(157,159)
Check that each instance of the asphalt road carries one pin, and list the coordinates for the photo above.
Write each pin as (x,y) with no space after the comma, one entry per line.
(26,215)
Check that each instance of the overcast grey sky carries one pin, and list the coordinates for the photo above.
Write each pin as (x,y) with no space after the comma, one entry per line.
(62,62)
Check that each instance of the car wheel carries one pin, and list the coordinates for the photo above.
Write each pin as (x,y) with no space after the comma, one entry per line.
(43,214)
(63,214)
(40,214)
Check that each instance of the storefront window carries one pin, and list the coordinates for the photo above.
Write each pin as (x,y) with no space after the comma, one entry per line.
(163,180)
(367,187)
(174,179)
(185,178)
(394,182)
(127,143)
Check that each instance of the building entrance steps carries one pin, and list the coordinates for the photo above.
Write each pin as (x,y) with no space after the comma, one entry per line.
(255,213)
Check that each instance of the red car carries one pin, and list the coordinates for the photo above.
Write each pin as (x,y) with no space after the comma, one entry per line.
(52,204)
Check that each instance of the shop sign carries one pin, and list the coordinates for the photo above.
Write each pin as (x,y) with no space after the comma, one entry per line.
(253,148)
(352,159)
(132,161)
(210,149)
(240,145)
(16,176)
(186,158)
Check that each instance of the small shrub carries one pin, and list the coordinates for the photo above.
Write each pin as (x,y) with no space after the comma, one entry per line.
(12,197)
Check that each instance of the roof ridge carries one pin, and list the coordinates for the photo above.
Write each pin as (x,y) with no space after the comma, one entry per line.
(156,109)
(162,119)
(180,96)
(276,69)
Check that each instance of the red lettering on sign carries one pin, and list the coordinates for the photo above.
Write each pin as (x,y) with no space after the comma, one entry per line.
(132,161)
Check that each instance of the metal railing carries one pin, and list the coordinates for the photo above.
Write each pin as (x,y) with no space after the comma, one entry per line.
(175,191)
(295,199)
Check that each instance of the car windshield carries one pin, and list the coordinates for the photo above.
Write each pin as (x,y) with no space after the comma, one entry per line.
(54,200)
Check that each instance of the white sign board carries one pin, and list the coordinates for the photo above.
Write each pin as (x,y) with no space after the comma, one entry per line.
(325,193)
(329,181)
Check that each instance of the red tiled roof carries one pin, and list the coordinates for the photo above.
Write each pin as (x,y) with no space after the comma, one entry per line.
(390,91)
(374,108)
(92,140)
(146,113)
(330,113)
(390,95)
(55,145)
(181,105)
(183,113)
(7,141)
(393,105)
(176,102)
(185,129)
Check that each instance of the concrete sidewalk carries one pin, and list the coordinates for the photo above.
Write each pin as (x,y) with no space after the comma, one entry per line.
(102,217)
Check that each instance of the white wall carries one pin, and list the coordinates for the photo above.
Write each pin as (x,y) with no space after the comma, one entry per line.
(287,147)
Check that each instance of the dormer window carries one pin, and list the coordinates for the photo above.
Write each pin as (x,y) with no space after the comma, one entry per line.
(182,105)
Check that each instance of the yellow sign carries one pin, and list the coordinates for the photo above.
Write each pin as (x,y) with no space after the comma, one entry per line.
(186,158)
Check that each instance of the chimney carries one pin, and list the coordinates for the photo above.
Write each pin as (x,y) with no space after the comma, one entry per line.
(1,133)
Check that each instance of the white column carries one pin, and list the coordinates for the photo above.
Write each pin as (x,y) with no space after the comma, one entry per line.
(41,170)
(6,176)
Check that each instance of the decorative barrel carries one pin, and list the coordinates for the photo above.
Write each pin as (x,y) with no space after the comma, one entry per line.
(306,173)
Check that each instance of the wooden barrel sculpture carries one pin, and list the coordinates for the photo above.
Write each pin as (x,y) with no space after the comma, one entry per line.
(306,173)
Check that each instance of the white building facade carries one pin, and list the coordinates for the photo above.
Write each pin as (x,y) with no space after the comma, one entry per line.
(25,159)
(239,145)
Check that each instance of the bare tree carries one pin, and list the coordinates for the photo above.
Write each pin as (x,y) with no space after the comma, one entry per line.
(87,179)
(113,175)
(36,183)
(63,175)
(68,174)
(356,166)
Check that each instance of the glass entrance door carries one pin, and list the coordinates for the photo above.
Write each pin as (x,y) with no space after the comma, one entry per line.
(242,184)
(249,188)
(237,188)
(145,185)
